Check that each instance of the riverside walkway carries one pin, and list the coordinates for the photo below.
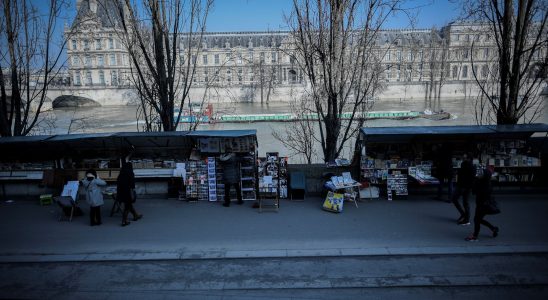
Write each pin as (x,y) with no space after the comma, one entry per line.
(177,230)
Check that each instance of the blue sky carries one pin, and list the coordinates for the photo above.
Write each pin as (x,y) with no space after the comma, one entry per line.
(257,15)
(261,15)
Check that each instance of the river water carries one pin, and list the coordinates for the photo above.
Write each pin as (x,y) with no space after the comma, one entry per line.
(123,119)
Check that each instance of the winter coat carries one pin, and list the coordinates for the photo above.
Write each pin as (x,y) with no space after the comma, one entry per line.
(482,188)
(94,195)
(125,184)
(231,168)
(466,175)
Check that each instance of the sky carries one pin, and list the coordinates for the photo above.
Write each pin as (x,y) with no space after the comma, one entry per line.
(265,15)
(260,15)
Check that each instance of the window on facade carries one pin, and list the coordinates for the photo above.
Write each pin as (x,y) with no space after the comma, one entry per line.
(486,53)
(240,58)
(102,77)
(261,57)
(77,79)
(194,59)
(86,45)
(465,53)
(204,59)
(89,80)
(217,59)
(100,60)
(112,59)
(97,44)
(88,60)
(110,43)
(75,60)
(113,78)
(464,71)
(292,76)
(484,71)
(74,45)
(274,57)
(250,56)
(455,72)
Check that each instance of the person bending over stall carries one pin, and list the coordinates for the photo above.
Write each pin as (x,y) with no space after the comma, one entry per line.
(126,192)
(94,196)
(231,175)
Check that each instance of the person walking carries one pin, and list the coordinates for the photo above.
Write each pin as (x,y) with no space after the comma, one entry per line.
(482,189)
(465,182)
(125,189)
(94,196)
(231,175)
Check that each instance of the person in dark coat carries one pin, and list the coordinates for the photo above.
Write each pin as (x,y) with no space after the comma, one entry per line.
(482,188)
(465,182)
(231,175)
(125,189)
(444,170)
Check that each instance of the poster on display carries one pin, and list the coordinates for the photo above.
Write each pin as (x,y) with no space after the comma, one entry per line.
(212,179)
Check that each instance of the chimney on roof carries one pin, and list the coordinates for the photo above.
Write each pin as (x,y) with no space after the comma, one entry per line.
(93,6)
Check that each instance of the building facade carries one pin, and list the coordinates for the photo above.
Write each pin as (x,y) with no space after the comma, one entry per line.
(454,55)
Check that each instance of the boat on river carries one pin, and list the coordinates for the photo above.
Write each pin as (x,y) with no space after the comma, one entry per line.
(207,116)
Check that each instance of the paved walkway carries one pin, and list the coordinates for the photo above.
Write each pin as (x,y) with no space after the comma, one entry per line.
(174,229)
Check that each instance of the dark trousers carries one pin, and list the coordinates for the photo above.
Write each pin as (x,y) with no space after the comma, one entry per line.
(227,192)
(478,220)
(128,207)
(463,209)
(95,215)
(445,180)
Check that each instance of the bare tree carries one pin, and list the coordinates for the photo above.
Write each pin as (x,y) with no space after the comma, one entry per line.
(163,44)
(334,42)
(29,61)
(519,33)
(298,136)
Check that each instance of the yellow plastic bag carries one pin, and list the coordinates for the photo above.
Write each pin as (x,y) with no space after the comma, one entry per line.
(333,202)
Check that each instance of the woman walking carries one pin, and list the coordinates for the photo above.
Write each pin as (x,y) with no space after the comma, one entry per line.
(126,192)
(482,189)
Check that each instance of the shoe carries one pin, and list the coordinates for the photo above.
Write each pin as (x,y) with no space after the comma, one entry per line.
(240,202)
(495,232)
(125,224)
(137,218)
(471,239)
(226,204)
(460,219)
(464,222)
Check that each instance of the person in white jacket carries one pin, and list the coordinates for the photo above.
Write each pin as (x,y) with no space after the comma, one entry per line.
(94,196)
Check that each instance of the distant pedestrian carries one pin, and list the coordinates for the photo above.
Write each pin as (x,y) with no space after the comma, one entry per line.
(482,189)
(125,190)
(465,182)
(444,170)
(94,196)
(231,175)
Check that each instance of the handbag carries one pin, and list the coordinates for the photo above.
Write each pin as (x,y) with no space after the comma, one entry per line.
(491,207)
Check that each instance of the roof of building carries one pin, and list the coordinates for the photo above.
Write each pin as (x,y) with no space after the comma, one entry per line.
(406,134)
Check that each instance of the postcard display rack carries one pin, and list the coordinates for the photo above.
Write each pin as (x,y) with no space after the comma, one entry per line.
(204,175)
(272,171)
(392,172)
